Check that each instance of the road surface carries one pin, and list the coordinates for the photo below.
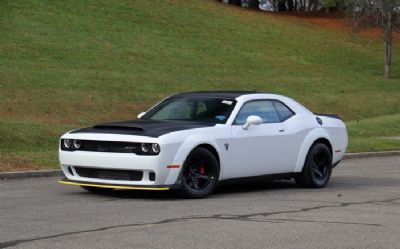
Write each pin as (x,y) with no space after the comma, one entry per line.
(359,209)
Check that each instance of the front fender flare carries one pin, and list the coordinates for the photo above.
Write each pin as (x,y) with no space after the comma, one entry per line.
(184,150)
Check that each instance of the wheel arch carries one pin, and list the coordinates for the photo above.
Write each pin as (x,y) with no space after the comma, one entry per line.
(325,141)
(188,146)
(314,137)
(211,149)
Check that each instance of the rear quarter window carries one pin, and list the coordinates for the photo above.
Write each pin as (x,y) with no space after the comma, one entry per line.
(283,111)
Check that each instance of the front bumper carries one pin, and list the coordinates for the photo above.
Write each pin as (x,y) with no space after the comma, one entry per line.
(152,170)
(114,186)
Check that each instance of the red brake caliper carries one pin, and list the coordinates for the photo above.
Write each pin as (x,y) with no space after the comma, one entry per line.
(201,170)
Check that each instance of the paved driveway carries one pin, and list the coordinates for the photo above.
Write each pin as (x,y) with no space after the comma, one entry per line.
(359,209)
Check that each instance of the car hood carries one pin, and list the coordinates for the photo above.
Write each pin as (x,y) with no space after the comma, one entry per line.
(142,127)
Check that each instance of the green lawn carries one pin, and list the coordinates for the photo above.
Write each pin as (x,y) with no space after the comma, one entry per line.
(67,64)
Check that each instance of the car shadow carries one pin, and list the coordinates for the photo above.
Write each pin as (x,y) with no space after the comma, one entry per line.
(224,189)
(253,187)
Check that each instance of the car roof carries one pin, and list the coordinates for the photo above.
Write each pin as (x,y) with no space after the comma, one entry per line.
(216,94)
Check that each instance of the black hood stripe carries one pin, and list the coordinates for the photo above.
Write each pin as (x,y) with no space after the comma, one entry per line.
(142,127)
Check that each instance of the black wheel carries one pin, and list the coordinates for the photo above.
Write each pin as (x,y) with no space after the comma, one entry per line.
(200,174)
(317,169)
(95,190)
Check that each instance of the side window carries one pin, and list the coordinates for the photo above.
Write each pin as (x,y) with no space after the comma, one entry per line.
(283,111)
(201,108)
(262,108)
(213,110)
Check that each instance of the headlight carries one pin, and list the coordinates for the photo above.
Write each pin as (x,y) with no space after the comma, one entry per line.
(155,148)
(145,147)
(149,149)
(77,144)
(71,144)
(67,143)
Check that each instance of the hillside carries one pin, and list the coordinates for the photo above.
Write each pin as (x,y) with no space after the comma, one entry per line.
(67,64)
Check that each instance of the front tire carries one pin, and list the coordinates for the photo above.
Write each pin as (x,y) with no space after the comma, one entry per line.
(317,169)
(200,174)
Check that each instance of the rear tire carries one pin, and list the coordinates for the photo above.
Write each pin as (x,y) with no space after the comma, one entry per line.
(200,174)
(317,168)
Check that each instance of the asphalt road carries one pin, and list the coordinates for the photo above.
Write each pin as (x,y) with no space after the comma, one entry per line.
(359,209)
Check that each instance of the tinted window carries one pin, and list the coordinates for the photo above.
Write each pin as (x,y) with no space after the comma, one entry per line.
(179,109)
(283,111)
(262,108)
(208,110)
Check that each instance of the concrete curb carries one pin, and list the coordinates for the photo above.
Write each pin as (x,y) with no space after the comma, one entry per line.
(371,154)
(58,172)
(26,174)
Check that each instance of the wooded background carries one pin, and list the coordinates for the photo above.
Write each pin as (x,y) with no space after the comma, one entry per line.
(364,14)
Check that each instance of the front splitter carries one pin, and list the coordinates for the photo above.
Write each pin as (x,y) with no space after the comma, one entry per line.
(112,186)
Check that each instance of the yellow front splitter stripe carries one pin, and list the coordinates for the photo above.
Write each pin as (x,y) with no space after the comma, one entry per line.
(112,186)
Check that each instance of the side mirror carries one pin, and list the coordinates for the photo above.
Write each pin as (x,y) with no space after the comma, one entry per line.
(252,120)
(141,115)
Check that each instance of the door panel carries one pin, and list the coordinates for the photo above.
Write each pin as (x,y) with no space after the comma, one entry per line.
(259,150)
(269,148)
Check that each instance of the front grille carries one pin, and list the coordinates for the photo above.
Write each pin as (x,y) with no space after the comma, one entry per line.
(109,146)
(110,174)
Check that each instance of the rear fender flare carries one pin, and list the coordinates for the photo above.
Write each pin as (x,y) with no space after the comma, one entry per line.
(313,136)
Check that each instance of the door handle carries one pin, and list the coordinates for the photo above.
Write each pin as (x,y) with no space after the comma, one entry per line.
(281,129)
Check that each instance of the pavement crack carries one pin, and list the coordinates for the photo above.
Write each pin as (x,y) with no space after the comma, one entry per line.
(244,217)
(328,222)
(340,204)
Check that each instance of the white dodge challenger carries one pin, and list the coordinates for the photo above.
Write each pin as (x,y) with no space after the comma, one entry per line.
(192,141)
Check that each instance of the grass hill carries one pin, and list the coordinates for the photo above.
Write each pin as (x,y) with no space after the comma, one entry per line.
(68,64)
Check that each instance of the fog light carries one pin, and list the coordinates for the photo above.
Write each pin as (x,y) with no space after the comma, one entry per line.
(155,148)
(145,147)
(67,143)
(77,144)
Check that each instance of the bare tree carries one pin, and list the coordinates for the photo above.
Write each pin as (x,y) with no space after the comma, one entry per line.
(369,13)
(387,14)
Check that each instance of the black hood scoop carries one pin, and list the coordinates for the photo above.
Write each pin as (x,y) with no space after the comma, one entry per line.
(117,127)
(142,127)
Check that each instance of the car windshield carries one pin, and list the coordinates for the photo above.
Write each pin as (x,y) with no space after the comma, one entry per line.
(205,110)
